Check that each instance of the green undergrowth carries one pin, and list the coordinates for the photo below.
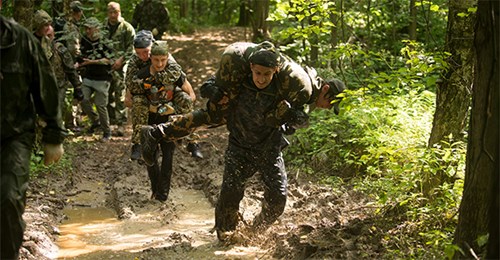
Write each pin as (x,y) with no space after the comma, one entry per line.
(378,145)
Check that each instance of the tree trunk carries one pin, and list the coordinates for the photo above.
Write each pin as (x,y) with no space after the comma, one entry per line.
(412,29)
(23,12)
(244,18)
(453,94)
(183,8)
(480,196)
(259,23)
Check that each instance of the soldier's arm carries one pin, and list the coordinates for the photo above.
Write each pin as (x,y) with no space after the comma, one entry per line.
(68,65)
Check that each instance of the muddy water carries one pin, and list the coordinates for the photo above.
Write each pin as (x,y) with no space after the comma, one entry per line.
(92,233)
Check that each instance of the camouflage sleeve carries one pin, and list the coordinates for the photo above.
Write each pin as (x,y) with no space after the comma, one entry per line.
(170,75)
(68,65)
(45,96)
(133,84)
(183,103)
(295,91)
(128,41)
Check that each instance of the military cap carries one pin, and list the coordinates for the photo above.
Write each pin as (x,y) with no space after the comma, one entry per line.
(336,87)
(159,48)
(92,22)
(76,6)
(40,19)
(266,55)
(143,39)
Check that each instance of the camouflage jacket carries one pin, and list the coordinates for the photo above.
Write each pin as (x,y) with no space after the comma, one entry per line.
(28,86)
(121,41)
(150,14)
(71,36)
(297,86)
(135,64)
(61,62)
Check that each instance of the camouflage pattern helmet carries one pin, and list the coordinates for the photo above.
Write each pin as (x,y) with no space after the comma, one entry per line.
(40,19)
(92,22)
(159,48)
(75,6)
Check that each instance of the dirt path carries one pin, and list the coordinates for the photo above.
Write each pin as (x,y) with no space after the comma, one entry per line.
(102,209)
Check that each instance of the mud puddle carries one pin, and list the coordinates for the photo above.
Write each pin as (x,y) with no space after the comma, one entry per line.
(94,233)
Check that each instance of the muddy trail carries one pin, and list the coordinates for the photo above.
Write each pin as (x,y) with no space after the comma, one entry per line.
(102,209)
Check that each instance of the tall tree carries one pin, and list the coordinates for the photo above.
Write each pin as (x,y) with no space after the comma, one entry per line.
(259,23)
(453,93)
(478,212)
(412,30)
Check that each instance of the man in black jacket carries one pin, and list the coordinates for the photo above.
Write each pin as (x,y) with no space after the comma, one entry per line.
(28,89)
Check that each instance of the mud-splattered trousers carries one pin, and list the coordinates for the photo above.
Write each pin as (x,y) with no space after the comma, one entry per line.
(28,88)
(162,90)
(253,147)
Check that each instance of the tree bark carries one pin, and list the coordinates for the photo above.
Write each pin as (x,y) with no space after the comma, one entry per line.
(412,29)
(259,23)
(478,213)
(453,93)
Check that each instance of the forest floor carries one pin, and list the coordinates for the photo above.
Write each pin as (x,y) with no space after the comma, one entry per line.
(101,208)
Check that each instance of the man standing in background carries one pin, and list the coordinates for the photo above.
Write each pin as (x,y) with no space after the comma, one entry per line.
(151,15)
(121,34)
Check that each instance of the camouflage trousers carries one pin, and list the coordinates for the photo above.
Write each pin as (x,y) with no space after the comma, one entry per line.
(239,165)
(116,98)
(140,114)
(15,159)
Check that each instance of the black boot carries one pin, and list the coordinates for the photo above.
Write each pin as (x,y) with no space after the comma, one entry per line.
(194,148)
(136,152)
(149,145)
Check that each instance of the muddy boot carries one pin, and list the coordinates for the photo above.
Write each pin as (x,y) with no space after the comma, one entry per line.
(136,152)
(194,149)
(149,145)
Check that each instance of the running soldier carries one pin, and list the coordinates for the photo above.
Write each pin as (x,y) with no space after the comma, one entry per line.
(260,95)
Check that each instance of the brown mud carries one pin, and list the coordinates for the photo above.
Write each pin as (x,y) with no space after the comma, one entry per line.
(101,208)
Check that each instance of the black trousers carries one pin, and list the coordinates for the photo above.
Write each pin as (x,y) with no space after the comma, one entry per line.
(160,175)
(15,160)
(240,165)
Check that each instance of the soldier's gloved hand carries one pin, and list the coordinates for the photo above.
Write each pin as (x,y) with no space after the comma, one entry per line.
(211,91)
(52,153)
(78,93)
(296,118)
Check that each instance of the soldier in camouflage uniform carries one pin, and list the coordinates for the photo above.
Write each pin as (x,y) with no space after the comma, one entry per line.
(162,86)
(28,89)
(151,15)
(260,95)
(72,30)
(59,57)
(121,36)
(140,106)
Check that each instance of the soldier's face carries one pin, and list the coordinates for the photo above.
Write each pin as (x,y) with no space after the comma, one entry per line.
(159,62)
(143,53)
(113,15)
(92,33)
(261,75)
(324,101)
(44,30)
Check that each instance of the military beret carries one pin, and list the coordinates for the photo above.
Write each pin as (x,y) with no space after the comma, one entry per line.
(266,54)
(40,19)
(92,22)
(159,48)
(143,39)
